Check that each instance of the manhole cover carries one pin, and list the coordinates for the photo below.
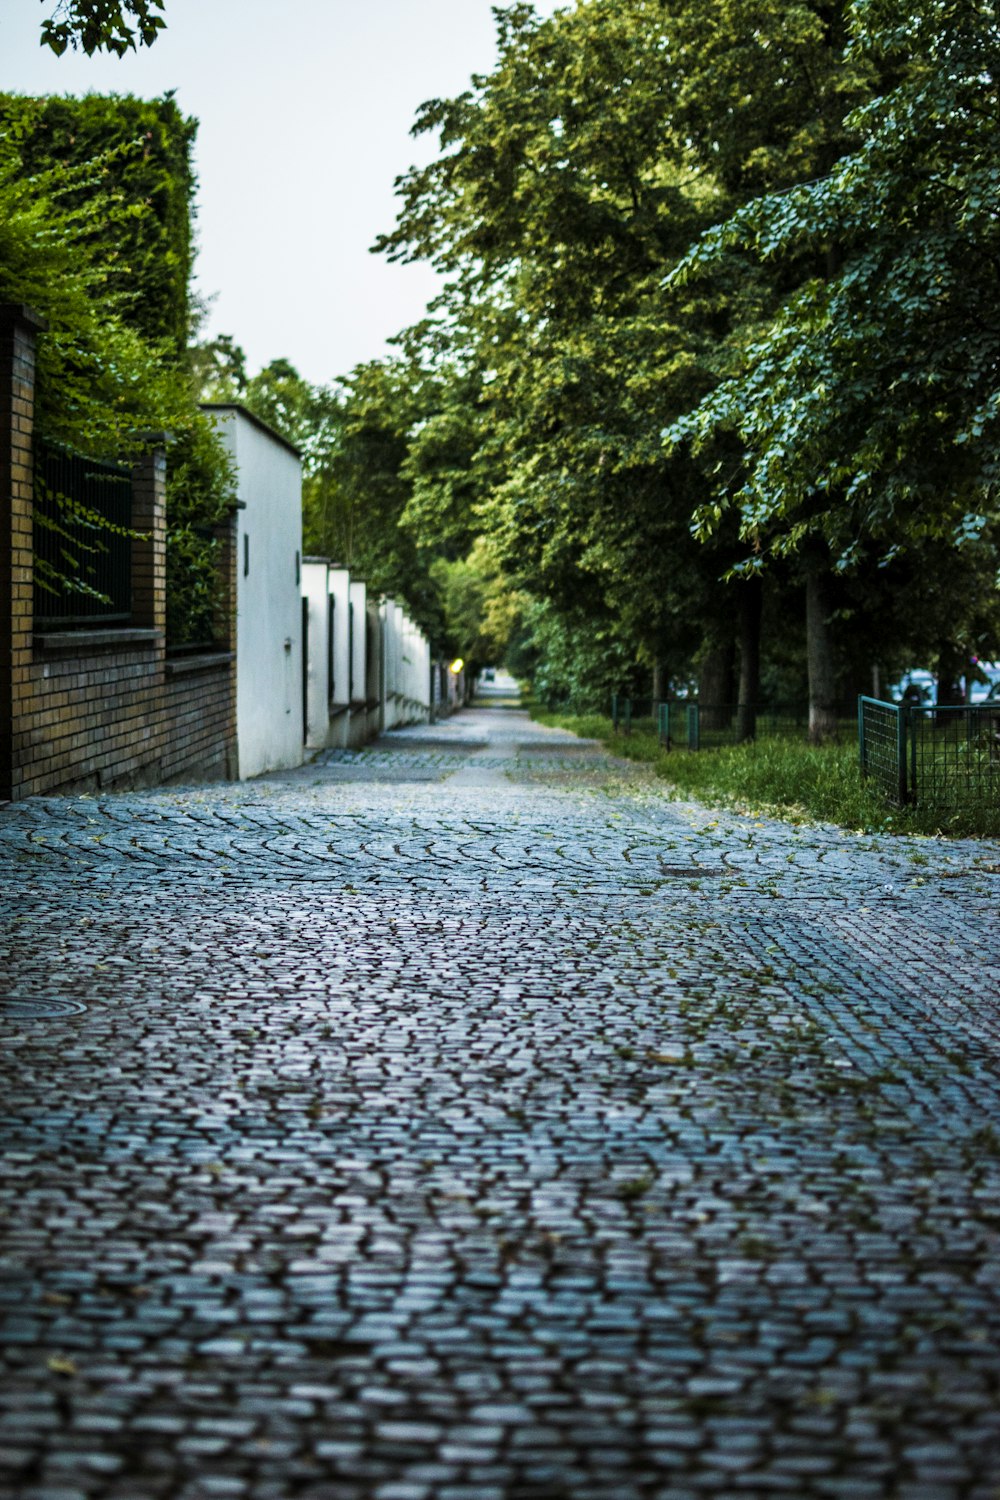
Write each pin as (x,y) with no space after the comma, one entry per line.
(17,1009)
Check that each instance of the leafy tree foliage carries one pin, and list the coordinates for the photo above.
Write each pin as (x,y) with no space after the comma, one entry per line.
(116,26)
(568,186)
(575,658)
(362,490)
(482,613)
(100,381)
(869,404)
(816,344)
(218,369)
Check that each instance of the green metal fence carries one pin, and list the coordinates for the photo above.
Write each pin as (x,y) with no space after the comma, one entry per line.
(946,758)
(622,713)
(882,740)
(689,724)
(679,725)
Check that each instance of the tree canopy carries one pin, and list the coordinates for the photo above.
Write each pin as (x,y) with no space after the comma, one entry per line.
(715,353)
(766,230)
(868,405)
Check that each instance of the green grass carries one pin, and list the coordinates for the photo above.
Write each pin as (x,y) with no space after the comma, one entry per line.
(783,777)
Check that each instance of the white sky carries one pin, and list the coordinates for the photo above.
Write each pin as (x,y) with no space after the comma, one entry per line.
(305,108)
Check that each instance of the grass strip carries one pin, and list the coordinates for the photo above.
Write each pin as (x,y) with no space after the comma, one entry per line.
(783,778)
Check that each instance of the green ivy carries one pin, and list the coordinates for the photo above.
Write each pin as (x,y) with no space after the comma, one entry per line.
(95,235)
(132,157)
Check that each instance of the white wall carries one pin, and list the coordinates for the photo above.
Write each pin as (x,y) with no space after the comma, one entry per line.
(391,715)
(406,668)
(316,590)
(418,650)
(392,661)
(373,654)
(359,601)
(269,608)
(339,584)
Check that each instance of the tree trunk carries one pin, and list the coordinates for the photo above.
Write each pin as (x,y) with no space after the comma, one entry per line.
(716,686)
(658,676)
(751,605)
(820,655)
(949,674)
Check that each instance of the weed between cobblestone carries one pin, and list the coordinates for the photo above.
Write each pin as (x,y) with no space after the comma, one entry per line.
(430,1135)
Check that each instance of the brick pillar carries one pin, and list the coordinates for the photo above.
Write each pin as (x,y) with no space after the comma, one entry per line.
(19,327)
(227,533)
(149,553)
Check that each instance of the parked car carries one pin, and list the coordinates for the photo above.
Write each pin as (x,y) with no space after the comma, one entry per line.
(916,687)
(988,691)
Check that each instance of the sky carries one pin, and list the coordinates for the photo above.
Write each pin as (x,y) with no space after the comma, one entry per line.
(305,109)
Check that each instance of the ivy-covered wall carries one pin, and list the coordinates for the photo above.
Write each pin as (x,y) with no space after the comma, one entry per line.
(142,154)
(96,203)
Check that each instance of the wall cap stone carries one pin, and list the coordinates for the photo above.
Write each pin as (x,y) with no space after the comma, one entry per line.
(254,420)
(179,665)
(76,641)
(18,314)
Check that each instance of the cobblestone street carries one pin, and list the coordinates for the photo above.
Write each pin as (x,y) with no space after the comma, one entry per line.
(463,1119)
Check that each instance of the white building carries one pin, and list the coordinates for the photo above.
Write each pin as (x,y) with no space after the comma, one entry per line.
(271,709)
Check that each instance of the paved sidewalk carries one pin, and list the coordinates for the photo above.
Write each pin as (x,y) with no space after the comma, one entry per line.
(464,1120)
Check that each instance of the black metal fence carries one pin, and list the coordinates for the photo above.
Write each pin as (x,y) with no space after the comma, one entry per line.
(946,758)
(82,542)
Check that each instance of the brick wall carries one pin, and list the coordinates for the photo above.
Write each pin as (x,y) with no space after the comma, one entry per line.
(17,382)
(97,708)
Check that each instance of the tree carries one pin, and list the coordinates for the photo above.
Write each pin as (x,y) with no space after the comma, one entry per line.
(218,369)
(366,489)
(117,26)
(482,613)
(571,181)
(868,405)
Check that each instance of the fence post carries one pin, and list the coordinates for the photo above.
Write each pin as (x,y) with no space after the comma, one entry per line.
(861,735)
(902,724)
(628,715)
(614,712)
(149,546)
(694,726)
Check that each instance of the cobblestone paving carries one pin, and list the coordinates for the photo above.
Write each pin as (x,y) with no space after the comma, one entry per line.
(465,1120)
